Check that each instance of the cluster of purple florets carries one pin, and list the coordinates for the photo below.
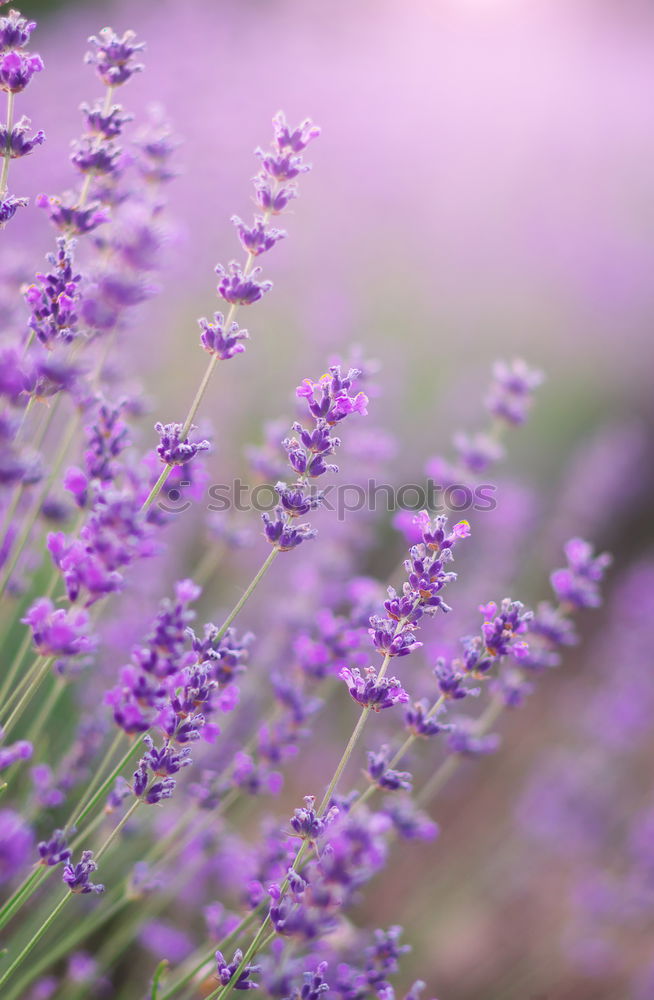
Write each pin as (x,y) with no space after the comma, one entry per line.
(328,401)
(17,67)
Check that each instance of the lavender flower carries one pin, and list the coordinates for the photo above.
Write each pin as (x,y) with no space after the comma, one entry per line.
(17,69)
(174,449)
(238,288)
(78,877)
(226,970)
(385,777)
(19,143)
(369,692)
(113,56)
(55,850)
(57,632)
(217,340)
(15,30)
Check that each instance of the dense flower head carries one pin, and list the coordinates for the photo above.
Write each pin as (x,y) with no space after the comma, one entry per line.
(512,390)
(55,850)
(421,721)
(452,680)
(385,777)
(9,205)
(503,625)
(114,534)
(19,143)
(54,298)
(153,779)
(369,692)
(93,157)
(239,288)
(66,215)
(15,30)
(216,339)
(259,237)
(107,124)
(78,876)
(226,970)
(113,56)
(328,399)
(17,69)
(175,447)
(306,823)
(59,632)
(578,584)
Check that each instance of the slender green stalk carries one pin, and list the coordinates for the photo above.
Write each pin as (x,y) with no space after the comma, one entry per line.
(223,945)
(36,937)
(23,892)
(39,676)
(78,932)
(254,582)
(14,669)
(219,991)
(442,774)
(97,777)
(397,757)
(49,920)
(203,386)
(30,520)
(225,991)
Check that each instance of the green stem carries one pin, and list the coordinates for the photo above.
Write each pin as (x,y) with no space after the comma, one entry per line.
(30,520)
(39,676)
(7,699)
(223,945)
(36,937)
(442,774)
(78,933)
(256,580)
(97,778)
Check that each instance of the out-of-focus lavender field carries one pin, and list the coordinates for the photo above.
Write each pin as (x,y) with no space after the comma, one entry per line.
(482,189)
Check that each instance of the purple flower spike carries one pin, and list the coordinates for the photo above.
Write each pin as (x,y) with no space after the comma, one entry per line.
(59,632)
(113,56)
(224,343)
(17,69)
(15,30)
(175,450)
(19,143)
(368,692)
(227,969)
(238,289)
(77,877)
